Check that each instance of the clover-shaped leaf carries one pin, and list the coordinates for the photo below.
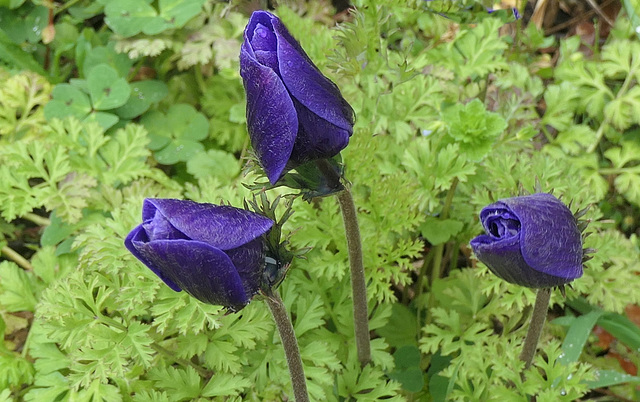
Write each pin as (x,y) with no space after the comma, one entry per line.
(143,95)
(175,136)
(70,100)
(106,88)
(67,100)
(24,24)
(129,17)
(179,12)
(107,55)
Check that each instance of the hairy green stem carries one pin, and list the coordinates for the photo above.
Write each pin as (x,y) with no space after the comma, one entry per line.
(290,344)
(358,284)
(622,92)
(16,257)
(538,318)
(436,272)
(37,219)
(197,69)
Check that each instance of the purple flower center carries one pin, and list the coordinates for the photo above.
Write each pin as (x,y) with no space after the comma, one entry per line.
(502,223)
(159,228)
(263,39)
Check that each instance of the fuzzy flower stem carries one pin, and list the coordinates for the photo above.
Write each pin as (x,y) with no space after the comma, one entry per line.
(436,272)
(290,344)
(358,284)
(16,257)
(37,219)
(535,327)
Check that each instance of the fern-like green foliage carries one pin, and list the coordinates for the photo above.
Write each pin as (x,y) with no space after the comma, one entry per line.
(451,116)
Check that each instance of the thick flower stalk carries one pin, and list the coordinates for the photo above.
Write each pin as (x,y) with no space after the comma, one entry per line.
(297,119)
(219,255)
(533,241)
(294,113)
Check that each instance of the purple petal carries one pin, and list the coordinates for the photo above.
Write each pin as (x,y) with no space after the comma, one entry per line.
(247,259)
(271,117)
(138,236)
(504,259)
(550,239)
(263,38)
(317,138)
(201,270)
(222,227)
(307,84)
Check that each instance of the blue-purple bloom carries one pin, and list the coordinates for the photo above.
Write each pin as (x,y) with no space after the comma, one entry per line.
(531,240)
(214,253)
(294,113)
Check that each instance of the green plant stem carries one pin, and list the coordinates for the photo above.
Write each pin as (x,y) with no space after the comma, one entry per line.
(290,344)
(65,6)
(183,362)
(436,272)
(358,284)
(197,69)
(538,318)
(37,219)
(16,257)
(615,171)
(621,93)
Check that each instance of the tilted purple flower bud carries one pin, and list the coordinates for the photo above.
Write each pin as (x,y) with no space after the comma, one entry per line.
(214,253)
(294,113)
(532,240)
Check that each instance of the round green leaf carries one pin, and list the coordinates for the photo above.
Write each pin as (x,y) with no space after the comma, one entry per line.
(156,124)
(104,120)
(128,17)
(107,89)
(143,95)
(179,12)
(187,122)
(107,55)
(25,23)
(67,101)
(178,151)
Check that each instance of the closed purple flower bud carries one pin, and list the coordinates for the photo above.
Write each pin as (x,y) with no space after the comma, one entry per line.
(214,253)
(532,241)
(294,113)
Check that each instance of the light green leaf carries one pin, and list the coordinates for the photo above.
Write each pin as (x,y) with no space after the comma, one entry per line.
(225,384)
(577,336)
(67,101)
(17,290)
(607,378)
(106,88)
(214,163)
(179,12)
(129,17)
(143,95)
(438,231)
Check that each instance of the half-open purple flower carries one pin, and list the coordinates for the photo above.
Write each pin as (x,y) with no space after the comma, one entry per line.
(531,240)
(214,253)
(294,113)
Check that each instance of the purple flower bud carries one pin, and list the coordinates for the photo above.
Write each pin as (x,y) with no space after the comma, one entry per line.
(214,253)
(532,241)
(294,113)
